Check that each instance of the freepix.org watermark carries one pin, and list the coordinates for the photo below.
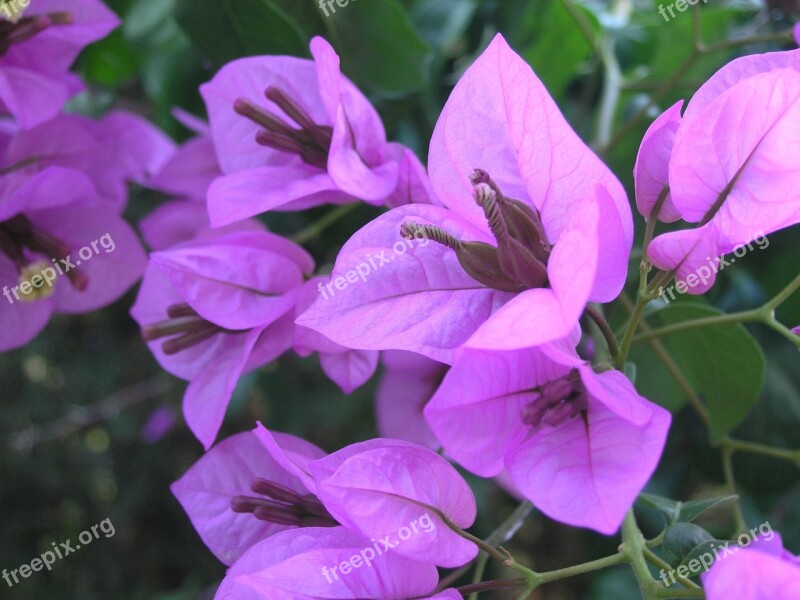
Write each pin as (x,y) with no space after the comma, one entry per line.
(715,265)
(717,552)
(37,279)
(367,555)
(679,5)
(372,262)
(59,551)
(329,6)
(13,9)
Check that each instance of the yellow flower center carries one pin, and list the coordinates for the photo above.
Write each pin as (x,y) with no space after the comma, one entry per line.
(32,284)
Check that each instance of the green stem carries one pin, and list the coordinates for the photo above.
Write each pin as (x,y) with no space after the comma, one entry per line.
(317,227)
(651,222)
(672,367)
(727,466)
(587,567)
(532,579)
(495,584)
(486,546)
(765,314)
(498,536)
(633,546)
(783,295)
(655,559)
(627,338)
(740,317)
(792,456)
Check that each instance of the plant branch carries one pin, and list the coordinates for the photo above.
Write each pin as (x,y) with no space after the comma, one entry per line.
(792,456)
(727,466)
(320,225)
(765,314)
(605,329)
(83,416)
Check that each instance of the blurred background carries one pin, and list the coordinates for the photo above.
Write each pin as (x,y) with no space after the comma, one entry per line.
(91,427)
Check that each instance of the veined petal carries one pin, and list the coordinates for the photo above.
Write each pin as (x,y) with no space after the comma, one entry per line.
(588,471)
(413,294)
(737,164)
(500,118)
(651,172)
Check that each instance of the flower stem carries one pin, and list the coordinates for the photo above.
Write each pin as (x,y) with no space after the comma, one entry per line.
(672,367)
(633,547)
(531,579)
(495,584)
(503,533)
(627,338)
(317,227)
(655,559)
(587,567)
(605,329)
(762,449)
(727,466)
(765,314)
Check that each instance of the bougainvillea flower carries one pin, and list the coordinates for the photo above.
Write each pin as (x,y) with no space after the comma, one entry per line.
(763,571)
(194,166)
(578,444)
(347,368)
(327,563)
(292,133)
(37,51)
(738,181)
(216,307)
(173,223)
(407,383)
(237,494)
(651,172)
(187,176)
(119,148)
(61,250)
(534,227)
(395,490)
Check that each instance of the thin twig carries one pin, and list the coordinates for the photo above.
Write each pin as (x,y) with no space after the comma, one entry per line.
(25,440)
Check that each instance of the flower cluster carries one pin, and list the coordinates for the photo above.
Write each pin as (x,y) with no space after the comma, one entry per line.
(481,330)
(482,326)
(280,511)
(56,169)
(732,183)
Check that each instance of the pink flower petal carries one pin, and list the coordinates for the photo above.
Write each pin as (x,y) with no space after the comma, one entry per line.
(651,172)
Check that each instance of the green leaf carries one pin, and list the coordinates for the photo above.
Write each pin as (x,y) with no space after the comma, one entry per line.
(559,47)
(689,511)
(677,511)
(441,23)
(228,29)
(701,557)
(111,62)
(667,507)
(723,364)
(682,538)
(379,49)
